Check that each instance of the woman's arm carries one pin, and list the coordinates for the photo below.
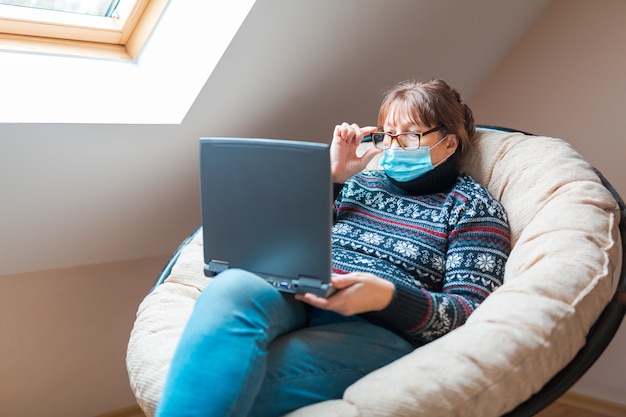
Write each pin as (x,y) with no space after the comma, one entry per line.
(479,246)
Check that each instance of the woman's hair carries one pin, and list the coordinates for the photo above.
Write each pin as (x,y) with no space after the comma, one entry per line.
(430,104)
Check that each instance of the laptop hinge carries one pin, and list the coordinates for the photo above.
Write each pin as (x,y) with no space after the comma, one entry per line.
(215,267)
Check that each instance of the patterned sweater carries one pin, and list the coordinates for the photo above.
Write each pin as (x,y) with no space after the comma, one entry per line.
(444,252)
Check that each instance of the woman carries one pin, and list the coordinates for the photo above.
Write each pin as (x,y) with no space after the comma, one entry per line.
(416,248)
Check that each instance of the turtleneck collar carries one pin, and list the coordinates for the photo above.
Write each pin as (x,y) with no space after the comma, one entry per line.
(439,180)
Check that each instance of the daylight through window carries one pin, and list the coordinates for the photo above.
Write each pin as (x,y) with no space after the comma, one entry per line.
(104,8)
(113,29)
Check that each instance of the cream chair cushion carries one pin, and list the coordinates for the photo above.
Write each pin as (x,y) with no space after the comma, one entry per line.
(558,279)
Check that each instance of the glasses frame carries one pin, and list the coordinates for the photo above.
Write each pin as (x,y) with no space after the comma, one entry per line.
(378,143)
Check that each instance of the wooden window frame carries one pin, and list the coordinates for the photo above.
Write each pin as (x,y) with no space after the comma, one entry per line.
(57,33)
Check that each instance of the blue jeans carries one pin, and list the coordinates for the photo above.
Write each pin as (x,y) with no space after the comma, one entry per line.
(250,350)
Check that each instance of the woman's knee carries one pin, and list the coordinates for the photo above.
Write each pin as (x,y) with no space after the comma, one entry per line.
(238,290)
(237,283)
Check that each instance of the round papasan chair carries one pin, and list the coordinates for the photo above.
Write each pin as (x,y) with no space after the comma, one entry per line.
(563,290)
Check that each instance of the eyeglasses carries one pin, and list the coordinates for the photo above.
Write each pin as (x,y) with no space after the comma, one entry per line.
(409,141)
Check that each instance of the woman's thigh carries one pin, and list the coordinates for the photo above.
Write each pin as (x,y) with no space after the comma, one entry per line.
(318,363)
(220,362)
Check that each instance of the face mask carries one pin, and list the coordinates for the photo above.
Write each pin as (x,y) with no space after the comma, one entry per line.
(404,166)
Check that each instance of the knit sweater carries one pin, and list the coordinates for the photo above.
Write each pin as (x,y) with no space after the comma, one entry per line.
(444,252)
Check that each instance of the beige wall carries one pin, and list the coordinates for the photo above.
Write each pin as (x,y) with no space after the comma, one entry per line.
(567,78)
(64,338)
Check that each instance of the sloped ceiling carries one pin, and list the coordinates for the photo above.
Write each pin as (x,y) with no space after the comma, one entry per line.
(296,67)
(83,194)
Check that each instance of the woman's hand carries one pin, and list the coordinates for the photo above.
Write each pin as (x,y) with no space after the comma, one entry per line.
(344,162)
(357,292)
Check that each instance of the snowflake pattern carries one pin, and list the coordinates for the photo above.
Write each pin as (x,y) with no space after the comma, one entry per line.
(454,261)
(438,263)
(406,249)
(485,262)
(372,238)
(342,229)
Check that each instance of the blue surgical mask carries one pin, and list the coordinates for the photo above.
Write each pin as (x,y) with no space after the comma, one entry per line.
(404,166)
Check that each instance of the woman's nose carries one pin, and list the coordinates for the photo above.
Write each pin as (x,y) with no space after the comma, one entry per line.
(395,141)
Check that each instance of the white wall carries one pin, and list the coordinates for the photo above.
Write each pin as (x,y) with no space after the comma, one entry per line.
(567,78)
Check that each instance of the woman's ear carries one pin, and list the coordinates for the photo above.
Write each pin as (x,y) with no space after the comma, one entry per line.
(452,143)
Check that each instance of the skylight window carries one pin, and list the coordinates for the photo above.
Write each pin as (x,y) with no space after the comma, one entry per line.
(158,87)
(114,29)
(104,8)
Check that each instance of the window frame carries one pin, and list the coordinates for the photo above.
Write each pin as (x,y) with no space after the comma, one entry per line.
(59,33)
(158,88)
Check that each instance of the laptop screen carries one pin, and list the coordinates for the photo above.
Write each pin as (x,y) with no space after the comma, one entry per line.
(266,206)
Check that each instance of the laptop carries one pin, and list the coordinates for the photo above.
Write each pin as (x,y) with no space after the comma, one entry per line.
(266,208)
